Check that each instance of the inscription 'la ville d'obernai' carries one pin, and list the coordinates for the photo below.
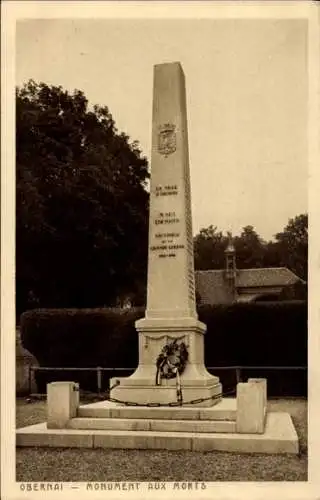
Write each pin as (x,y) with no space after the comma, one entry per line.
(166,190)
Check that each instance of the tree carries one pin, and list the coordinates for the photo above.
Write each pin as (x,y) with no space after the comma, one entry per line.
(209,246)
(81,203)
(290,248)
(250,249)
(292,244)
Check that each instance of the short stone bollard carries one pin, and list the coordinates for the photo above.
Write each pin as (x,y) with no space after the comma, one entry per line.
(62,403)
(251,406)
(262,381)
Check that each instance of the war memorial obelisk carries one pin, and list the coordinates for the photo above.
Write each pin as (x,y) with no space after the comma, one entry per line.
(240,424)
(171,305)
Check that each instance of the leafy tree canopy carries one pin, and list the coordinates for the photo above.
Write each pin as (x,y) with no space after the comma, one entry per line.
(209,246)
(81,202)
(290,248)
(250,248)
(292,244)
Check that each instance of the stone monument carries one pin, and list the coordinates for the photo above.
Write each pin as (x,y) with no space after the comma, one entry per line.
(196,422)
(171,307)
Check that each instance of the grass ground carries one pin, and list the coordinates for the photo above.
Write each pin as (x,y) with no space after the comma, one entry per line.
(44,464)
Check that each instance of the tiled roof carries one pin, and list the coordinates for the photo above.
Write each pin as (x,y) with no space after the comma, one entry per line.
(268,276)
(213,288)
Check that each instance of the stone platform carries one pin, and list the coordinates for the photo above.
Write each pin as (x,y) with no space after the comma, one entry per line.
(106,425)
(226,409)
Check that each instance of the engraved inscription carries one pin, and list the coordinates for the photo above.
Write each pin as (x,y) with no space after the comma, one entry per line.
(166,218)
(166,190)
(166,244)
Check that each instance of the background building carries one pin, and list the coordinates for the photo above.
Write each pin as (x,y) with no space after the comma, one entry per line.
(223,286)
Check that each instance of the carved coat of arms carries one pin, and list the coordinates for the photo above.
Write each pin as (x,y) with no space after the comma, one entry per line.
(167,143)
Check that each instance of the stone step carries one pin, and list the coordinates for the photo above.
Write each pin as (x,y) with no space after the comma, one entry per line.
(279,437)
(225,410)
(147,424)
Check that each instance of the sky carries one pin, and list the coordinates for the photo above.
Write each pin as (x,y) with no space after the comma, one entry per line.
(247,97)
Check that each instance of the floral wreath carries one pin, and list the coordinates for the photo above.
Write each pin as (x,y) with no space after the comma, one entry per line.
(171,361)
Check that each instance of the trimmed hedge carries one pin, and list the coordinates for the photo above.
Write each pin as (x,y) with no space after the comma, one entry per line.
(80,338)
(256,334)
(253,334)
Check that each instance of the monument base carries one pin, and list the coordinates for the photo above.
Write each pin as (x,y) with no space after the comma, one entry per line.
(196,382)
(224,426)
(105,425)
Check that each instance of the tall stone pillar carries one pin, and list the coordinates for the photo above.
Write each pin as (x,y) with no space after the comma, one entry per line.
(171,306)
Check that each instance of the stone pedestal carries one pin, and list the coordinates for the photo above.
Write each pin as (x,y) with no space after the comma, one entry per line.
(62,403)
(263,382)
(251,406)
(196,381)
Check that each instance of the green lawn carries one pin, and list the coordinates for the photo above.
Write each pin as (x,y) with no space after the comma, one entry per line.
(44,464)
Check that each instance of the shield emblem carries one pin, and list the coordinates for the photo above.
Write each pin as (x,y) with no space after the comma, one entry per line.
(167,139)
